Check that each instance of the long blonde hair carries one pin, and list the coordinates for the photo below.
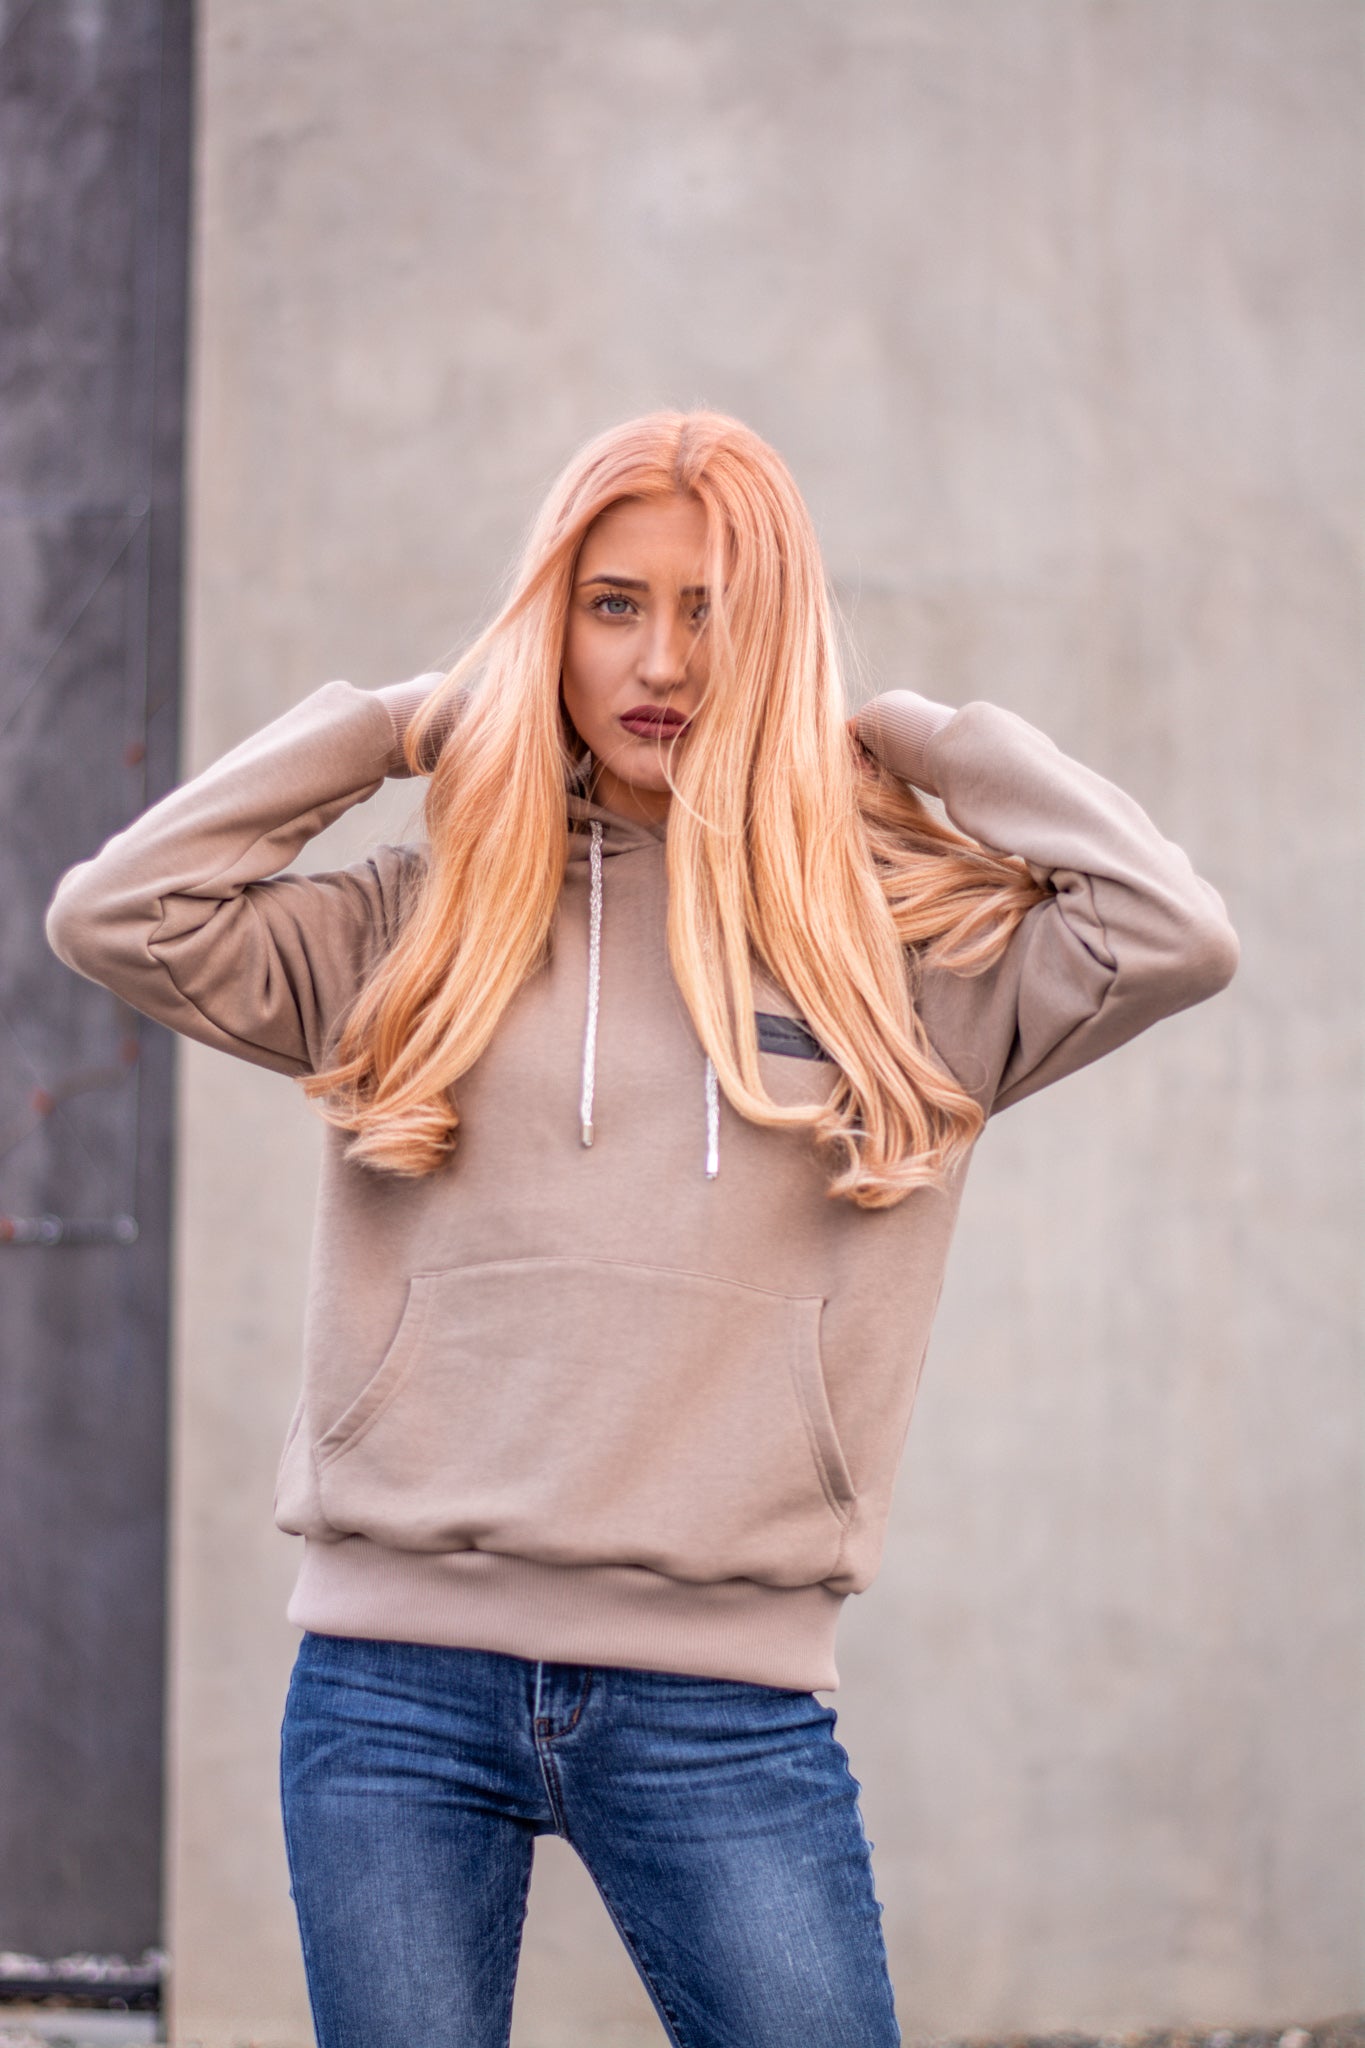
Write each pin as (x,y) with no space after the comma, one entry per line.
(785,846)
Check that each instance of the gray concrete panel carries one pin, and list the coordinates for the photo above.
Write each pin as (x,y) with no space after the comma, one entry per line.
(92,232)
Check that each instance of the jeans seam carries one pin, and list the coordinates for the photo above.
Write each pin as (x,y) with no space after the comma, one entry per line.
(664,2010)
(554,1791)
(543,1739)
(305,1946)
(516,1958)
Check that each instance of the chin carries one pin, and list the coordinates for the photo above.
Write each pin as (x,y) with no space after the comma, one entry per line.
(647,775)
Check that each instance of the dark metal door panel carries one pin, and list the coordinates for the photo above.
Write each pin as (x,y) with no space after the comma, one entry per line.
(94,173)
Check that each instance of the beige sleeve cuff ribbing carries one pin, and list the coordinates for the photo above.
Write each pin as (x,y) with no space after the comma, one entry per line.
(401,701)
(898,727)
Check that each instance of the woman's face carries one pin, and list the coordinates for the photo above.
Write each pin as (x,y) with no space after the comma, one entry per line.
(635,661)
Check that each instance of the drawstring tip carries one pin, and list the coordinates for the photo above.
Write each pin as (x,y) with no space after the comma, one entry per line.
(711,1172)
(585,1133)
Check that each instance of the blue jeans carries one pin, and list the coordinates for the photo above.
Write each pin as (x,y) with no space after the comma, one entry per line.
(718,1819)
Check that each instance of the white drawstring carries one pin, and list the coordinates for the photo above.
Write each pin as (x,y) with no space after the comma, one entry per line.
(594,981)
(590,1023)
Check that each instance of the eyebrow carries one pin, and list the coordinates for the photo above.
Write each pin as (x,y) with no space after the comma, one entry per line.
(638,583)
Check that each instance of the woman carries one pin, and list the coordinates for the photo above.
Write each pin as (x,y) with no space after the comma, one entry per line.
(651,1081)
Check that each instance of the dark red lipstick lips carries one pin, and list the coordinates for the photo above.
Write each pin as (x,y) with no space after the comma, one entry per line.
(649,722)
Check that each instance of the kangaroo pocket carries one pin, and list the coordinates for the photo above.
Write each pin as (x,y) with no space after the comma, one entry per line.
(581,1411)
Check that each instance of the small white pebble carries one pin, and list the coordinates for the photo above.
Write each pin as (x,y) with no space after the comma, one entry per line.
(1222,2039)
(1296,2037)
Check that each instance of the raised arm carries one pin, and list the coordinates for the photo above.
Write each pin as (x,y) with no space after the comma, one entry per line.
(1132,933)
(185,915)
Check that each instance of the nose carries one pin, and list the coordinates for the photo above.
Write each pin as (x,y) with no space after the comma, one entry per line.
(664,656)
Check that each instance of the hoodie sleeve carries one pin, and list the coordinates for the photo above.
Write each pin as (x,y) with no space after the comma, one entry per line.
(186,916)
(1131,933)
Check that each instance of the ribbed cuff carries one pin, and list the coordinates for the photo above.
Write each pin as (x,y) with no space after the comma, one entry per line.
(897,727)
(402,701)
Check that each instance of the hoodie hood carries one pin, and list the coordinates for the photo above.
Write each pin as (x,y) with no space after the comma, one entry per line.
(619,835)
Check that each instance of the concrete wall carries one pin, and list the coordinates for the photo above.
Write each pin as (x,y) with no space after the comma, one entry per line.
(1054,307)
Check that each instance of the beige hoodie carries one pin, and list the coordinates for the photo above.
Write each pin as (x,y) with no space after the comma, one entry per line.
(641,1402)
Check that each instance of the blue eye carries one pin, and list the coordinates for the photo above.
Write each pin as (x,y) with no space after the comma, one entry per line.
(612,597)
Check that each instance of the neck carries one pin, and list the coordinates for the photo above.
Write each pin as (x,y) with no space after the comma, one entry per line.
(628,799)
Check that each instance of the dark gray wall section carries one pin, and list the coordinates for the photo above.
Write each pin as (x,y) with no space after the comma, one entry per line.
(94,131)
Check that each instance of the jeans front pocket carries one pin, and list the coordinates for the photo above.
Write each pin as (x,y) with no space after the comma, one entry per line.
(593,1411)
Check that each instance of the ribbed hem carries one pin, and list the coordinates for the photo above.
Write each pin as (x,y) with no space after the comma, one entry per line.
(570,1614)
